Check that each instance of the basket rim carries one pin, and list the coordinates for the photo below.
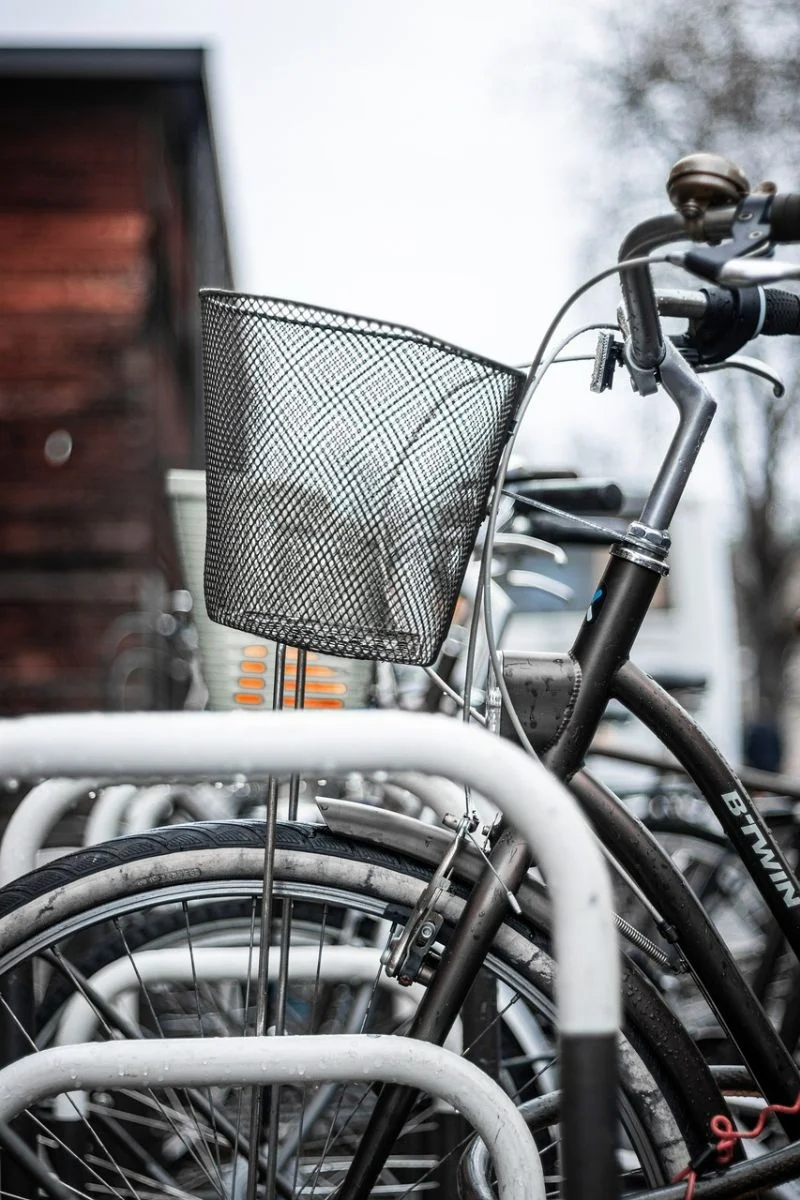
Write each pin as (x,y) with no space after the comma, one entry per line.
(390,328)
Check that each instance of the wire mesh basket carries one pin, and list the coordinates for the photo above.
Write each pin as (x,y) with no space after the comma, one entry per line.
(348,467)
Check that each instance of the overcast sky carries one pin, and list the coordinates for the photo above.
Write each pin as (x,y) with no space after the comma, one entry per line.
(389,158)
(421,161)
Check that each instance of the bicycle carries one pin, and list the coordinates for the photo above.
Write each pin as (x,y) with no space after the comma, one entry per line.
(717,205)
(682,1090)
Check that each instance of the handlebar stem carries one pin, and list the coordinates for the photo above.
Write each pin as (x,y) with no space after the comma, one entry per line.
(696,408)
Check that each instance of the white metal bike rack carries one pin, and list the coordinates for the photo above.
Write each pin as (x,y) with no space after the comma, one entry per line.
(33,818)
(107,813)
(214,964)
(120,809)
(153,805)
(201,1062)
(225,745)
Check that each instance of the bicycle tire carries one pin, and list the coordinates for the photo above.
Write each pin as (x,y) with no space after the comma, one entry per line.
(183,864)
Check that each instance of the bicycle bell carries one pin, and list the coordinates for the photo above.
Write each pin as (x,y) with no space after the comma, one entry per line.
(701,181)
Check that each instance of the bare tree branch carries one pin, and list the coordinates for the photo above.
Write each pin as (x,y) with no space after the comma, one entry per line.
(675,77)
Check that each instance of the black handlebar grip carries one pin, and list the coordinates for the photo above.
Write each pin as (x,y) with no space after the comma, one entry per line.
(784,217)
(782,312)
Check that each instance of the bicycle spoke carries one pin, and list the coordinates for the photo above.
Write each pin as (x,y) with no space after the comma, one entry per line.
(201,1029)
(52,1137)
(166,1115)
(210,1166)
(367,1090)
(240,1163)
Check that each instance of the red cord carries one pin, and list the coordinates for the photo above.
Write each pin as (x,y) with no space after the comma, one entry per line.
(727,1137)
(690,1175)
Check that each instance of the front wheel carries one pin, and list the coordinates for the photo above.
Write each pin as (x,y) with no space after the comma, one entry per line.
(156,935)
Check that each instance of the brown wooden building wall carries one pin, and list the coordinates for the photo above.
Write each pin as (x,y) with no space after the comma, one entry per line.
(110,218)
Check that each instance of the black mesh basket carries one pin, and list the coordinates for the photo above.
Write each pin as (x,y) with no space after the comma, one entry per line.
(349,464)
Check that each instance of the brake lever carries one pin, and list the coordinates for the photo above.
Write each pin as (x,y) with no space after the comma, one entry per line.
(753,366)
(749,238)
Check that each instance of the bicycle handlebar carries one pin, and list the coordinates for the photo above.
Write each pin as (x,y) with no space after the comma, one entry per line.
(714,206)
(769,219)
